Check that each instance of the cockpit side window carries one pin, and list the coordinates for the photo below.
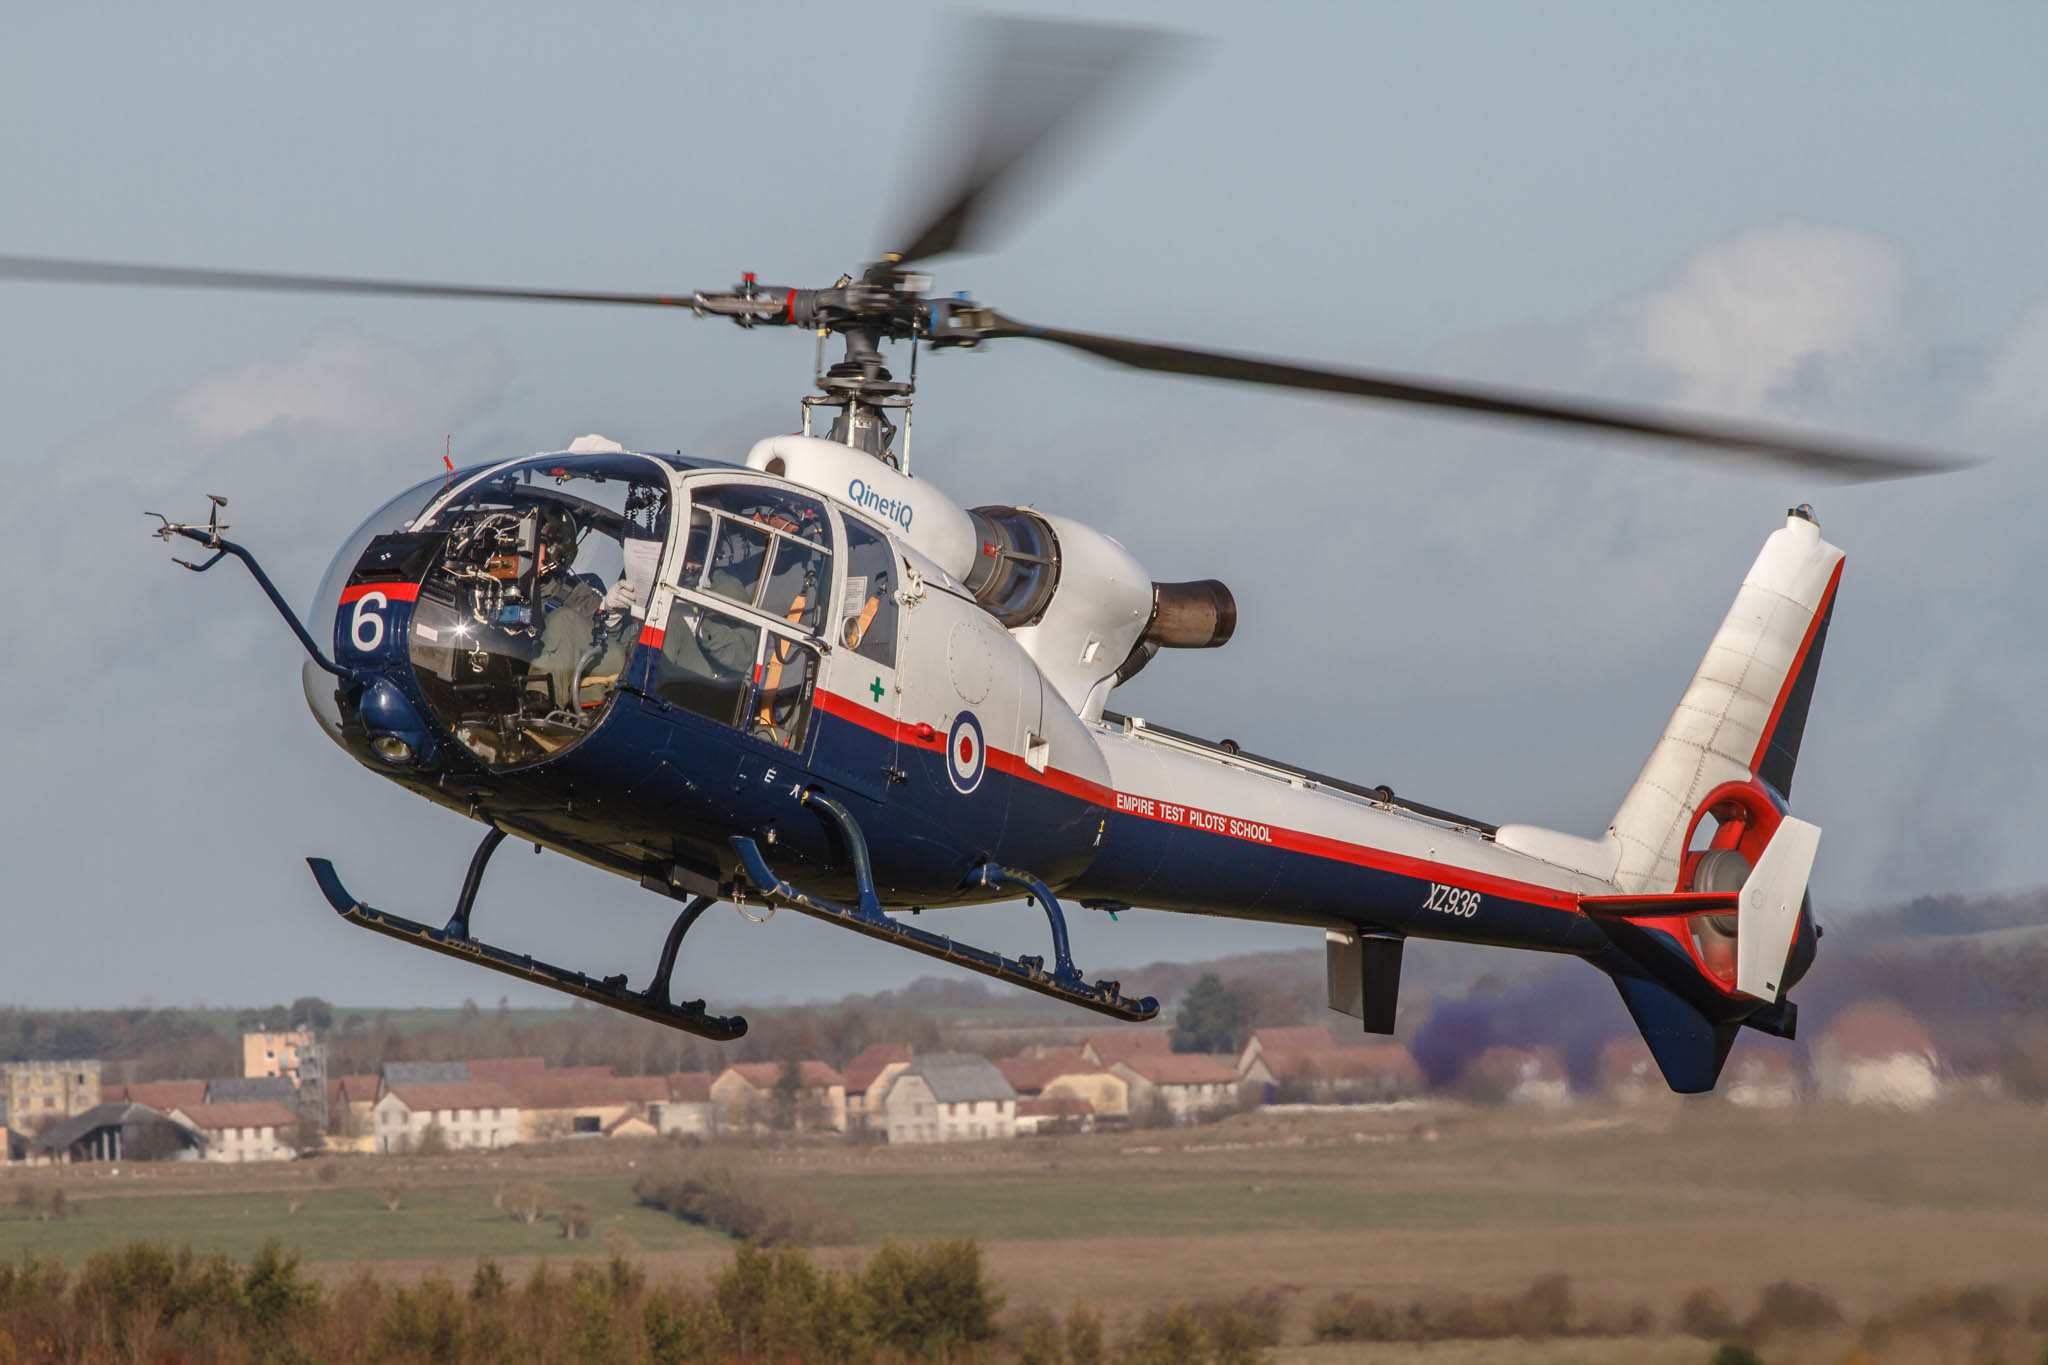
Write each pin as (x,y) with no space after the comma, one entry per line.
(764,547)
(715,665)
(868,624)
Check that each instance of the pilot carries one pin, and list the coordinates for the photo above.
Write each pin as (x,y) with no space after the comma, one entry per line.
(566,607)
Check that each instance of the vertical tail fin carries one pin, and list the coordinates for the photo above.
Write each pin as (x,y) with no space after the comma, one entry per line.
(1741,720)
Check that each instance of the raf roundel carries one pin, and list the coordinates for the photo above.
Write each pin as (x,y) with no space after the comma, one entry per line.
(966,755)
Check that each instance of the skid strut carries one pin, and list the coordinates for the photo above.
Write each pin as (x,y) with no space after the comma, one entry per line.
(454,941)
(865,916)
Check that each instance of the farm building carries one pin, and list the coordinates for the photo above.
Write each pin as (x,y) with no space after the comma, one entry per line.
(743,1097)
(117,1130)
(1760,1078)
(1877,1053)
(950,1097)
(1054,1116)
(469,1115)
(243,1130)
(867,1078)
(1107,1049)
(1336,1075)
(1518,1076)
(1055,1073)
(1182,1085)
(688,1106)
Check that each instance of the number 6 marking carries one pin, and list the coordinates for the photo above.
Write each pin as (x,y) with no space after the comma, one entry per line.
(366,627)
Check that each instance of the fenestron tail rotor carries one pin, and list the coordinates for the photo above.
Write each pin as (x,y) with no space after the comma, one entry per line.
(1040,84)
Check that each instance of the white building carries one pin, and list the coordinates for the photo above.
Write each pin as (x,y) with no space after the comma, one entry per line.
(1187,1084)
(477,1114)
(249,1130)
(950,1097)
(1876,1053)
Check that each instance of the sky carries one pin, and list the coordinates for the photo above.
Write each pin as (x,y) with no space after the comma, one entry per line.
(1824,214)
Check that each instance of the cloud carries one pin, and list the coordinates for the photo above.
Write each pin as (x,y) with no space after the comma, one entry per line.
(1755,320)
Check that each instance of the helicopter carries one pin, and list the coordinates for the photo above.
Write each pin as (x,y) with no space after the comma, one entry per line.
(811,681)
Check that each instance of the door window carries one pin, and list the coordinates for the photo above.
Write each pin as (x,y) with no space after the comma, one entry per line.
(868,624)
(728,670)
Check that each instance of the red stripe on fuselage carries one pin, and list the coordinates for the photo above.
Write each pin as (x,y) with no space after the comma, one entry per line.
(1213,822)
(393,592)
(1820,614)
(653,636)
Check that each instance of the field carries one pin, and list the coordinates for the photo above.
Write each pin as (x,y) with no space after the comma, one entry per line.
(1636,1206)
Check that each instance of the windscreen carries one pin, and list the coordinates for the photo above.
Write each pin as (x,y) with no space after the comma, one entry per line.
(528,616)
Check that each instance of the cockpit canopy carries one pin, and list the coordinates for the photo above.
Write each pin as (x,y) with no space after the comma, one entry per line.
(536,579)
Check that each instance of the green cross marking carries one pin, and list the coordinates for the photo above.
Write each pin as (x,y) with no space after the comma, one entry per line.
(876,688)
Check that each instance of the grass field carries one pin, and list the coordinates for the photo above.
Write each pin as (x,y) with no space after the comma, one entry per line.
(1637,1207)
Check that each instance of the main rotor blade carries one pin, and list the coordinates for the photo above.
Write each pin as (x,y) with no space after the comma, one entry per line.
(1848,461)
(1042,82)
(184,277)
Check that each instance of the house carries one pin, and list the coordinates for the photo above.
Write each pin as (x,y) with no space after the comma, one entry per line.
(1511,1075)
(1307,1038)
(580,1100)
(1177,1086)
(1366,1073)
(688,1106)
(116,1130)
(244,1130)
(744,1096)
(1760,1078)
(950,1097)
(867,1078)
(36,1094)
(1628,1074)
(276,1054)
(630,1126)
(1877,1053)
(468,1115)
(349,1101)
(1057,1073)
(1107,1049)
(1036,1116)
(162,1096)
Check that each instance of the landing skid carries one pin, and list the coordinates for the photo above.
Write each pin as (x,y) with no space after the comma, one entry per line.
(454,941)
(866,916)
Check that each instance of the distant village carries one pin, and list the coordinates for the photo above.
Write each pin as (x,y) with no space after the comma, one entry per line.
(285,1104)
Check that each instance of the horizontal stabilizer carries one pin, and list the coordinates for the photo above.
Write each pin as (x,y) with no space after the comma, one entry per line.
(1768,910)
(1654,907)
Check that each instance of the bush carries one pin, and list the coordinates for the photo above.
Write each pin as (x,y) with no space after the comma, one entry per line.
(1734,1353)
(931,1300)
(530,1202)
(1703,1313)
(394,1193)
(433,1141)
(1790,1307)
(702,1187)
(575,1220)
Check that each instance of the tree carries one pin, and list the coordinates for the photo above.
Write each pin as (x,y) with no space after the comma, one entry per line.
(1213,1018)
(782,1103)
(313,1012)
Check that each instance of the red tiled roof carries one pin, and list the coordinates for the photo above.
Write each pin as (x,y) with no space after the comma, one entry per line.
(1307,1038)
(358,1089)
(1332,1063)
(1115,1047)
(1033,1070)
(811,1075)
(690,1087)
(611,1129)
(163,1095)
(1180,1068)
(1060,1106)
(871,1061)
(246,1114)
(576,1089)
(434,1099)
(503,1069)
(1876,1029)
